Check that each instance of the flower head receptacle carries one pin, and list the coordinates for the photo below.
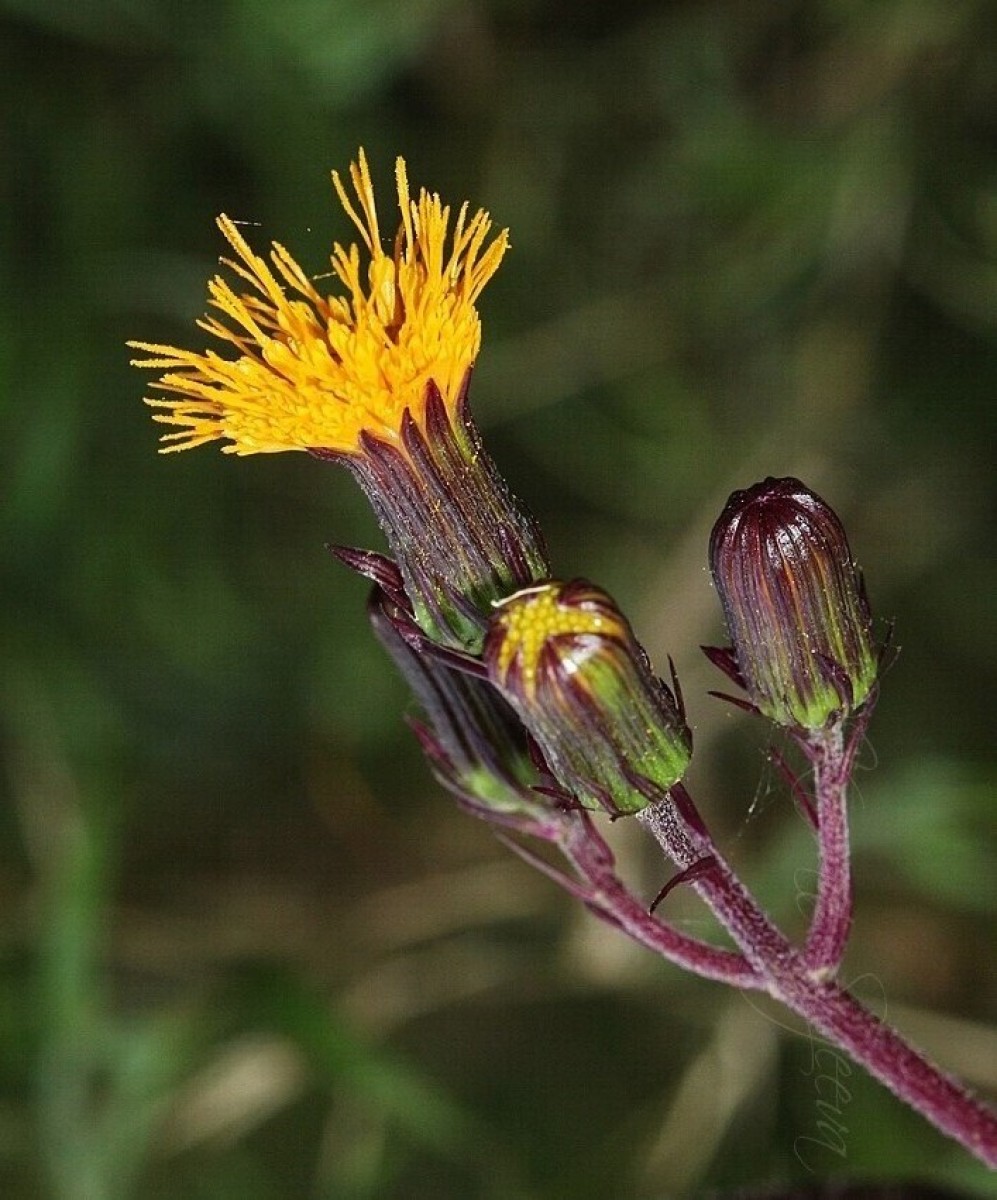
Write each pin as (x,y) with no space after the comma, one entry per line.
(566,659)
(375,377)
(794,604)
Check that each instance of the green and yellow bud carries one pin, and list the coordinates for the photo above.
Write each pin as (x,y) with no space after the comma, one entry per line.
(796,611)
(566,660)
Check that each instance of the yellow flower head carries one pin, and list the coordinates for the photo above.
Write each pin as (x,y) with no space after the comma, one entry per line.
(314,371)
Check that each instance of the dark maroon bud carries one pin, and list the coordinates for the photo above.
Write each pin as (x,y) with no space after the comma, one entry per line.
(796,610)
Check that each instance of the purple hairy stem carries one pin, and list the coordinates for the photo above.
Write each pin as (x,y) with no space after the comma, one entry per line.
(758,939)
(787,976)
(583,846)
(912,1077)
(832,917)
(833,757)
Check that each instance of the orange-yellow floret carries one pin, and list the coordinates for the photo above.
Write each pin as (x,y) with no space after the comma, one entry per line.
(530,618)
(314,371)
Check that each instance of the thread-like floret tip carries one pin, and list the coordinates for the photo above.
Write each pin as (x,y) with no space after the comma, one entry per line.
(300,369)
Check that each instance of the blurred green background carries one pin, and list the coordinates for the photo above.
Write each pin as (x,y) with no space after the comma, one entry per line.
(248,948)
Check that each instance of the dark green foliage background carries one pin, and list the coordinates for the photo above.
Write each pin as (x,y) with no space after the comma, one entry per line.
(248,950)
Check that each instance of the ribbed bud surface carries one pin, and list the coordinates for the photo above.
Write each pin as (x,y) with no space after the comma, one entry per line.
(461,539)
(565,658)
(794,604)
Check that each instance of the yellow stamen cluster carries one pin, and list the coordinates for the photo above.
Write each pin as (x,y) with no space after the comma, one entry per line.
(314,371)
(532,617)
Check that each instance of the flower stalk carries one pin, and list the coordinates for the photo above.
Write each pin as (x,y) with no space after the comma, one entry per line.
(832,916)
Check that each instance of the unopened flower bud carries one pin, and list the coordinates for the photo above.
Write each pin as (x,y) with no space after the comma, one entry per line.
(795,607)
(474,743)
(565,658)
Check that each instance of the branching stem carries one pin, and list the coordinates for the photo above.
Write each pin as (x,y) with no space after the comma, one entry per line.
(828,1008)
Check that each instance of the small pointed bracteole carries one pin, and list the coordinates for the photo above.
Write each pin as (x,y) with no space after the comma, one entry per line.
(888,649)
(606,801)
(724,660)
(563,800)
(676,688)
(700,868)
(376,567)
(803,802)
(737,701)
(537,756)
(381,607)
(687,809)
(856,735)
